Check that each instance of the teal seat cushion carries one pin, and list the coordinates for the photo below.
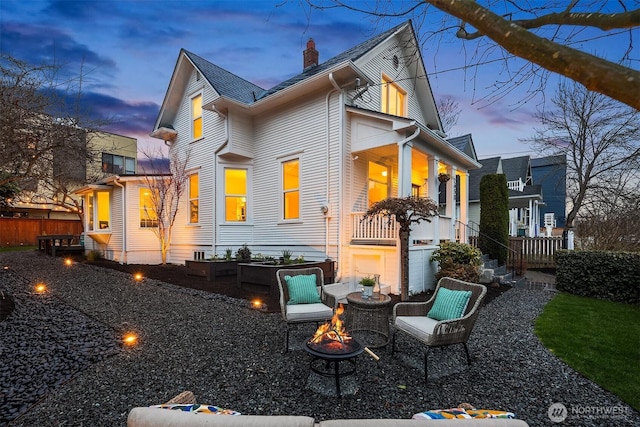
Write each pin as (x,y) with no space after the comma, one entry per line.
(302,289)
(449,304)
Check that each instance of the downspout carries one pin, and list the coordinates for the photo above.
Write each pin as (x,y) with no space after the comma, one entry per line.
(340,174)
(215,177)
(124,219)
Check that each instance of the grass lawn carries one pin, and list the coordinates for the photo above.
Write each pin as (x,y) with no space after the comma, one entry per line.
(599,339)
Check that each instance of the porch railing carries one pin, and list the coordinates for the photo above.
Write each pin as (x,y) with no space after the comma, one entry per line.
(379,228)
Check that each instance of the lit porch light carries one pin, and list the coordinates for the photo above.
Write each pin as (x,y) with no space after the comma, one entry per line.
(40,288)
(68,261)
(138,277)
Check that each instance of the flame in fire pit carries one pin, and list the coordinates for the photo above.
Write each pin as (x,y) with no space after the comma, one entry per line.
(332,337)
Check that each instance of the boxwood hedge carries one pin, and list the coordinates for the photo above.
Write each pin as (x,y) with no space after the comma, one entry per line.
(613,276)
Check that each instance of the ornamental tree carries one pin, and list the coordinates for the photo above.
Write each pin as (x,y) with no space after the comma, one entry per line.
(405,211)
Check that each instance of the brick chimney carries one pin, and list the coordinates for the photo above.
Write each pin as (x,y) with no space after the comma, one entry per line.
(310,55)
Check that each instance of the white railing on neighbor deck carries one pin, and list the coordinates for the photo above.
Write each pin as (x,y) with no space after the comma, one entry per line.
(515,185)
(376,228)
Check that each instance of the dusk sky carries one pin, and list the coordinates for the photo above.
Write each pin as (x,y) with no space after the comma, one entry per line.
(128,50)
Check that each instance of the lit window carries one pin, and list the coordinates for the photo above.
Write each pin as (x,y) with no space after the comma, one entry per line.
(378,182)
(196,117)
(291,189)
(90,212)
(148,216)
(103,210)
(235,195)
(194,194)
(393,98)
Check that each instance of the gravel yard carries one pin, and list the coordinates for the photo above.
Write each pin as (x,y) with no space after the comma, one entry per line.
(62,361)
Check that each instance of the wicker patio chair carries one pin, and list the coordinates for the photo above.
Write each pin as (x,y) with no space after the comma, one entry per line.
(304,313)
(411,318)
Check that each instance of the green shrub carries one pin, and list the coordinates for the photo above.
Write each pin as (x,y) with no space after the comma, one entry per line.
(458,260)
(609,276)
(244,253)
(94,255)
(494,217)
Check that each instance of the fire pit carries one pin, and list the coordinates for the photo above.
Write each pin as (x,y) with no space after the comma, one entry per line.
(329,346)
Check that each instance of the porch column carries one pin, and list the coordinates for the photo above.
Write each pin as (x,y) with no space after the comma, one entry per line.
(531,213)
(451,203)
(464,206)
(432,185)
(404,169)
(451,193)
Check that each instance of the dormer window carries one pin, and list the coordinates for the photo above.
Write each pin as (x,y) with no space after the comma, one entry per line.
(393,98)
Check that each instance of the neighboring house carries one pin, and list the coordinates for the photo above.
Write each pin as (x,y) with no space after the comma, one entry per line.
(296,166)
(525,197)
(551,173)
(93,156)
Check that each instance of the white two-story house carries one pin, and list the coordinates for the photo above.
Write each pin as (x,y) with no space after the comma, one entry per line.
(296,166)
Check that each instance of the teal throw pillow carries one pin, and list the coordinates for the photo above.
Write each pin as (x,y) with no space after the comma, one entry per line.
(449,304)
(302,289)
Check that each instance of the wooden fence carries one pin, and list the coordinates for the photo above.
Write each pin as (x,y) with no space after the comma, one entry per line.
(536,252)
(23,231)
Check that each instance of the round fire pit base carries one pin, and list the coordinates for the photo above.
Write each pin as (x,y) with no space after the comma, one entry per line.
(327,362)
(326,385)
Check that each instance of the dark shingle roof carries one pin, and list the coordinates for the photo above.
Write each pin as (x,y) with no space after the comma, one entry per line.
(225,83)
(516,167)
(489,166)
(349,55)
(560,159)
(231,86)
(464,143)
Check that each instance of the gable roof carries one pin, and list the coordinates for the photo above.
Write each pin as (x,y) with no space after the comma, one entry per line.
(349,55)
(516,167)
(464,143)
(224,82)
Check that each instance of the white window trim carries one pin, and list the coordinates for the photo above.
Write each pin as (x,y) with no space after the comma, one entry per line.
(96,222)
(283,160)
(391,81)
(192,118)
(220,205)
(189,199)
(224,195)
(140,209)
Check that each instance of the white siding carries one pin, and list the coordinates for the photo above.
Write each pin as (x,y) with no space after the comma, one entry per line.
(187,237)
(298,130)
(382,63)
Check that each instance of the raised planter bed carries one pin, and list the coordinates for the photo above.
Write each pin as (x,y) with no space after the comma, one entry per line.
(211,269)
(261,277)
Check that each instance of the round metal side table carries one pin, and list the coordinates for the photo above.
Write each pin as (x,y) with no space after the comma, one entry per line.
(368,318)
